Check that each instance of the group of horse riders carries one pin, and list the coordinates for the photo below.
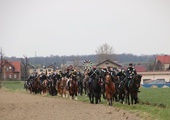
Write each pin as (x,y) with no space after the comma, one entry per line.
(70,73)
(122,74)
(119,77)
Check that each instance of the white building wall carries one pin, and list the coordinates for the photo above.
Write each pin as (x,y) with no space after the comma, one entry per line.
(155,75)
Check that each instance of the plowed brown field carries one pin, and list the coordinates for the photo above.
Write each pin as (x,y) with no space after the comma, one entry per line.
(25,106)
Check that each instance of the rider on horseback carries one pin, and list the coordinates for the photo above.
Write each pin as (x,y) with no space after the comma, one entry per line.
(43,77)
(49,76)
(131,72)
(73,75)
(31,77)
(59,76)
(111,72)
(121,74)
(93,74)
(67,74)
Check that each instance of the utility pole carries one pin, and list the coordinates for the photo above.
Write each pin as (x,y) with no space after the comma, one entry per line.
(63,64)
(1,73)
(1,63)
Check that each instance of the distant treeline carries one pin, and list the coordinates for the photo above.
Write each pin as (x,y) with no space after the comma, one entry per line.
(58,60)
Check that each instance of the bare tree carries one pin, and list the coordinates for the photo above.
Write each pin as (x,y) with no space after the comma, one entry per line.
(2,64)
(76,62)
(158,66)
(25,63)
(105,52)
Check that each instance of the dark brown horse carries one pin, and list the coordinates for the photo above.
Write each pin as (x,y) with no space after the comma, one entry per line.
(110,89)
(73,89)
(121,91)
(95,91)
(116,82)
(132,89)
(35,86)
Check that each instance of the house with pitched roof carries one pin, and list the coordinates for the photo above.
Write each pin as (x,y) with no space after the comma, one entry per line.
(162,62)
(11,70)
(108,63)
(31,69)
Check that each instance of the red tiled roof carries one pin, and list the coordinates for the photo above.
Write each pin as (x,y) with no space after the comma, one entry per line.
(16,65)
(164,59)
(140,68)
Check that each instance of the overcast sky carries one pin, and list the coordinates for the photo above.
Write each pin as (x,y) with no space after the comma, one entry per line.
(79,27)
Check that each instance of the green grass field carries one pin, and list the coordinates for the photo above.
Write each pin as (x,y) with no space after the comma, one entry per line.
(13,85)
(154,102)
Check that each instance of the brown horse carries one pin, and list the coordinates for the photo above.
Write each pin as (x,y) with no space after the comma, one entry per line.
(62,86)
(44,87)
(86,85)
(73,89)
(35,85)
(110,89)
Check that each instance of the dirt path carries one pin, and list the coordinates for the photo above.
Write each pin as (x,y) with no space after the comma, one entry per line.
(25,106)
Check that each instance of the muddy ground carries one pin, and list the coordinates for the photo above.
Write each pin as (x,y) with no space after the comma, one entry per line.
(26,106)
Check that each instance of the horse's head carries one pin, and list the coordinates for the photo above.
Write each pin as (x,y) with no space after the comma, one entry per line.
(108,79)
(115,79)
(45,83)
(36,80)
(73,81)
(137,80)
(63,82)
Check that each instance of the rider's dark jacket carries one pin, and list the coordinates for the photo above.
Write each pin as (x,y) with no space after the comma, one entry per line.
(131,72)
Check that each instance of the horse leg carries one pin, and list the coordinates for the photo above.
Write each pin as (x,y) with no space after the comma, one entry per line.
(127,98)
(103,91)
(132,98)
(135,98)
(111,101)
(72,97)
(110,98)
(100,97)
(96,100)
(85,92)
(121,98)
(81,89)
(89,97)
(55,90)
(92,99)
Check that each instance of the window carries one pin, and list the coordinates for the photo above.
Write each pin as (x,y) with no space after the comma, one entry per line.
(49,70)
(10,76)
(15,76)
(10,67)
(7,69)
(146,81)
(41,70)
(4,76)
